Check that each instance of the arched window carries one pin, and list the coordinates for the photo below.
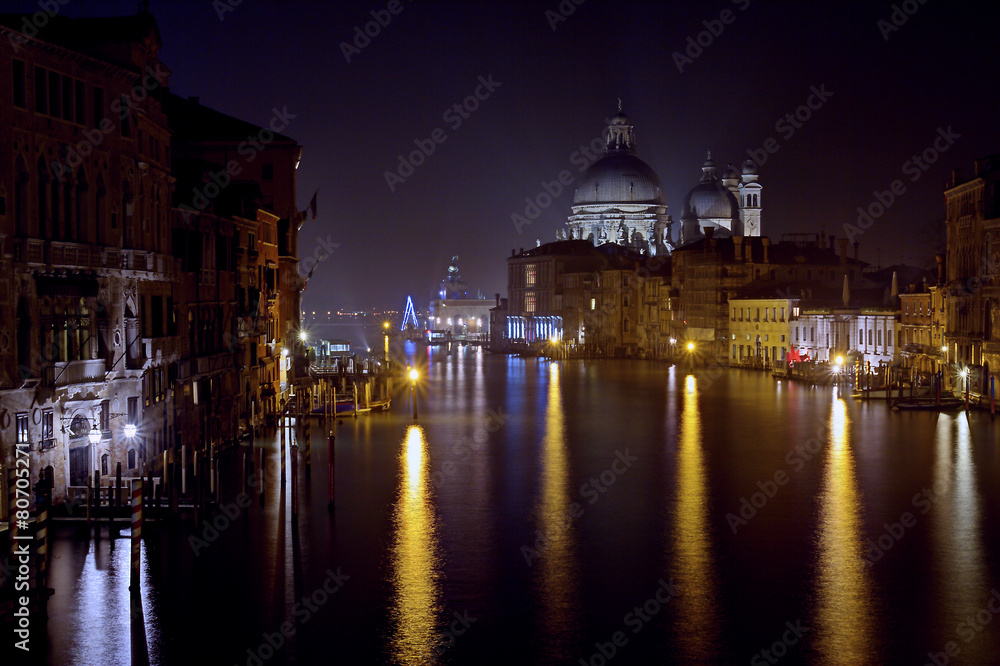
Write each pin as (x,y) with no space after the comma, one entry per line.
(627,325)
(131,458)
(81,228)
(67,227)
(42,194)
(21,179)
(987,321)
(104,464)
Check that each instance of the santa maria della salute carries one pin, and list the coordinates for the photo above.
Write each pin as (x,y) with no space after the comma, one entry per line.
(619,199)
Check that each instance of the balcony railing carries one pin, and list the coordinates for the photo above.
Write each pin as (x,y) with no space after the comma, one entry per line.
(75,372)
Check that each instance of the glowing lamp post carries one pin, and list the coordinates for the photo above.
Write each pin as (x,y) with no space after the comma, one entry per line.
(964,374)
(130,430)
(385,329)
(413,394)
(838,367)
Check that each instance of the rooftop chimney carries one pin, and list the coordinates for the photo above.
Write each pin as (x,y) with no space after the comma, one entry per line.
(843,250)
(738,247)
(856,246)
(939,258)
(498,299)
(767,243)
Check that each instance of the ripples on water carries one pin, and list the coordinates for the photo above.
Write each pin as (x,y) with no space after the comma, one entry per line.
(433,521)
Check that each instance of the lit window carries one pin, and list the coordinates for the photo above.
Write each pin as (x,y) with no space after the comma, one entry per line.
(22,429)
(47,429)
(530,275)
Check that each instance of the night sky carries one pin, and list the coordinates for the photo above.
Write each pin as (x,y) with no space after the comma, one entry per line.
(891,91)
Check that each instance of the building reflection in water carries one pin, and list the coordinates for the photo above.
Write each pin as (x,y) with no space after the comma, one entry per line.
(557,566)
(416,566)
(694,565)
(844,616)
(958,540)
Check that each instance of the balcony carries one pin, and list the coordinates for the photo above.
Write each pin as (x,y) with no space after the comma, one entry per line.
(75,372)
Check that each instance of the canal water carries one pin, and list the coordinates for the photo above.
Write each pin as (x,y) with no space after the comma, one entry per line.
(577,512)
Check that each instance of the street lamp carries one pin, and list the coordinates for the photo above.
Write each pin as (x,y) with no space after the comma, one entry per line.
(130,430)
(413,395)
(964,374)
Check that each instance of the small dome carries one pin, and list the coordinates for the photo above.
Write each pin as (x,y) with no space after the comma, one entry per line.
(620,119)
(712,200)
(730,173)
(750,168)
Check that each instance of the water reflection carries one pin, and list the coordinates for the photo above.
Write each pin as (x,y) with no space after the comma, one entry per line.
(415,563)
(557,564)
(694,563)
(955,509)
(844,615)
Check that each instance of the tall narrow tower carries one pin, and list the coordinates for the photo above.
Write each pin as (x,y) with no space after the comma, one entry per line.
(750,205)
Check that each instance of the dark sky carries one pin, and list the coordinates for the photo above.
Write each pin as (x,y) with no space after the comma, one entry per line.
(889,98)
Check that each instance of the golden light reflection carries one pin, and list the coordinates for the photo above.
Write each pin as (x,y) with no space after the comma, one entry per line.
(695,575)
(844,613)
(415,562)
(557,565)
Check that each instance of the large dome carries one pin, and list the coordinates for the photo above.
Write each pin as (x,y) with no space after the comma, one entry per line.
(619,178)
(712,200)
